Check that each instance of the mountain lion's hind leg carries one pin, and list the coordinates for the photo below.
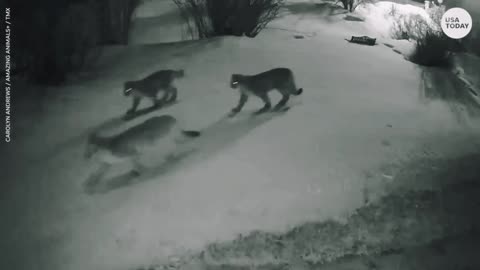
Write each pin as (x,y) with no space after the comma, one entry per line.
(96,176)
(267,106)
(156,102)
(282,102)
(172,92)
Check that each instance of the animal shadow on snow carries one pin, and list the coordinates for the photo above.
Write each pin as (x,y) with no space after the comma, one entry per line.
(111,123)
(79,138)
(101,186)
(213,139)
(147,110)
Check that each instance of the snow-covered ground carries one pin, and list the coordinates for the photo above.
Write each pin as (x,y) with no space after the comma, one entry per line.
(363,108)
(157,21)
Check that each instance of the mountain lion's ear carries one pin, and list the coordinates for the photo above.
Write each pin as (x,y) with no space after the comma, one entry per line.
(234,79)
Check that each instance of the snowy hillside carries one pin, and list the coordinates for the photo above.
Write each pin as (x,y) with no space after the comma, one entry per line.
(363,113)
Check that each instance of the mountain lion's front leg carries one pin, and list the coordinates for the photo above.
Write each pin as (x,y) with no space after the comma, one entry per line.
(172,94)
(135,103)
(241,103)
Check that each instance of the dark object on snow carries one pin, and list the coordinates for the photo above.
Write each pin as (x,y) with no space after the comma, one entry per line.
(405,35)
(365,40)
(299,37)
(353,18)
(191,133)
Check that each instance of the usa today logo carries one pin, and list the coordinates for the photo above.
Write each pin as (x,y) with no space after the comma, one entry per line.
(456,23)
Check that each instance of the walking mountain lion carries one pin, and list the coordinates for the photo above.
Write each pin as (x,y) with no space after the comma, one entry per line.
(150,86)
(281,79)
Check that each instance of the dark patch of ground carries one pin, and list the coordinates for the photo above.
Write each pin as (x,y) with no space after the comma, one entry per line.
(443,84)
(353,18)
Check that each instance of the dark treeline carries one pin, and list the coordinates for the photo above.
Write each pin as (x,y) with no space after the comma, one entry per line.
(55,37)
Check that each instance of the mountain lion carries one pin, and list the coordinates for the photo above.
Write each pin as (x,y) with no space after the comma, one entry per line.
(259,85)
(150,86)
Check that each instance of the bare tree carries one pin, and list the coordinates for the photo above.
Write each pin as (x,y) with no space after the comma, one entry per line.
(208,18)
(56,37)
(115,19)
(351,5)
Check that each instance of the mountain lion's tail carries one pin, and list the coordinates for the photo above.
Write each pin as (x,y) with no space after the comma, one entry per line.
(191,133)
(298,92)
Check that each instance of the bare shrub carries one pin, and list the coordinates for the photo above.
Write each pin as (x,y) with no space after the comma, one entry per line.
(409,27)
(435,13)
(393,10)
(432,46)
(76,37)
(432,50)
(115,19)
(208,18)
(351,5)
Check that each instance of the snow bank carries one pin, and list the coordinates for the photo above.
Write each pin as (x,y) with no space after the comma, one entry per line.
(382,16)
